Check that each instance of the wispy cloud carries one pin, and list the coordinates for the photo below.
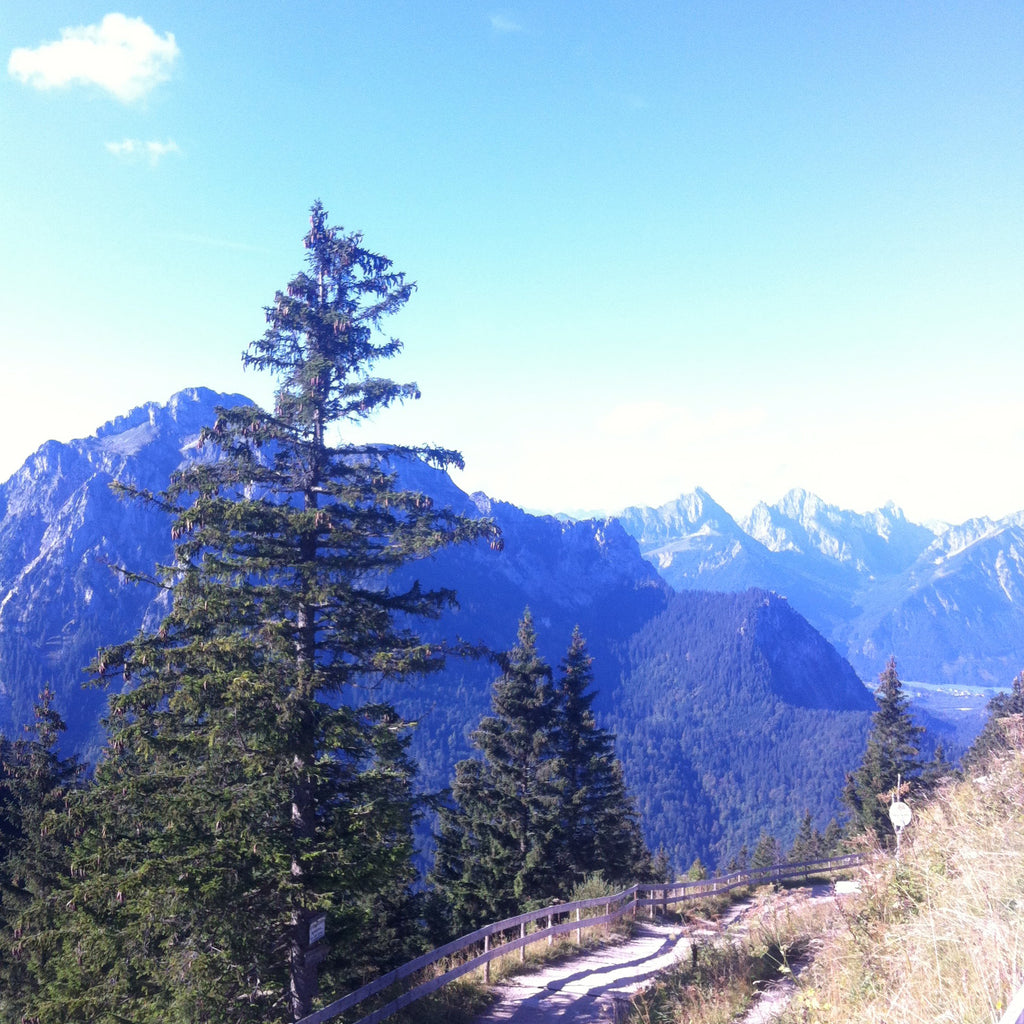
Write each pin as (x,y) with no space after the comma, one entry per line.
(137,149)
(503,23)
(121,55)
(209,241)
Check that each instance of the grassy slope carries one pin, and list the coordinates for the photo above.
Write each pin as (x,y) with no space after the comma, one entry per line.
(939,936)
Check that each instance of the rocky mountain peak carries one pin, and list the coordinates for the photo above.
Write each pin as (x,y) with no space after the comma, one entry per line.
(690,515)
(945,599)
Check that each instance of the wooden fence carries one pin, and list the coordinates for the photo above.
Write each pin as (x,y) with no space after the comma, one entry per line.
(512,934)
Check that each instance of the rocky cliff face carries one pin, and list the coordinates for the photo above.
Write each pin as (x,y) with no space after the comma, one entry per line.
(61,531)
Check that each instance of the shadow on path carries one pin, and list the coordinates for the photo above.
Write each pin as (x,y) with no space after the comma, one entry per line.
(596,987)
(627,966)
(591,988)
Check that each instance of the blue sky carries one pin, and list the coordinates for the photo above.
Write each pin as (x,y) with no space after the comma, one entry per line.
(743,246)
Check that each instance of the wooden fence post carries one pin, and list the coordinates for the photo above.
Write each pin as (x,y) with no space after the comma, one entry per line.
(579,931)
(487,966)
(522,948)
(551,920)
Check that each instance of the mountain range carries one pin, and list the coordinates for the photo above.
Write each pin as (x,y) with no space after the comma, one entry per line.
(946,600)
(733,713)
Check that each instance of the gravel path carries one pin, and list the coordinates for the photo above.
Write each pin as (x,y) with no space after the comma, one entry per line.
(592,987)
(597,986)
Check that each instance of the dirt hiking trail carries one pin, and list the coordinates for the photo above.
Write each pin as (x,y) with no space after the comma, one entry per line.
(596,987)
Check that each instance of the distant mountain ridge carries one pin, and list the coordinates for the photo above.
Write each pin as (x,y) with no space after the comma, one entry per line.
(947,601)
(61,529)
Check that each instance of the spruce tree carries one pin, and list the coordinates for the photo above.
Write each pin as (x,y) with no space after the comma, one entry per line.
(767,853)
(741,861)
(599,826)
(545,805)
(832,840)
(469,857)
(36,787)
(891,755)
(806,844)
(497,843)
(247,786)
(937,770)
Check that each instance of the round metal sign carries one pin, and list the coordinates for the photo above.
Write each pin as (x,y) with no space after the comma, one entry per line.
(899,814)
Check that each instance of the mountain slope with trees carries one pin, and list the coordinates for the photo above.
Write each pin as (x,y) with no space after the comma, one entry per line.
(734,718)
(947,601)
(571,574)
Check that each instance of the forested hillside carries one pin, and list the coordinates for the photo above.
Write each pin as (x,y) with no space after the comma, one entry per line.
(735,717)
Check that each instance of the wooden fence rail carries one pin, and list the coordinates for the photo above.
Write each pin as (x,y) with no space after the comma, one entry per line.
(560,919)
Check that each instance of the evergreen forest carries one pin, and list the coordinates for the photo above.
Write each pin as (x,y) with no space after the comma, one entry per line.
(735,747)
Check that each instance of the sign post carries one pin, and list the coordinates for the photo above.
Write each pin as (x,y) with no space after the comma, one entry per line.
(899,815)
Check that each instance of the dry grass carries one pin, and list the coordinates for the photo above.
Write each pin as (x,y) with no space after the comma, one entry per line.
(711,990)
(938,937)
(459,1002)
(726,974)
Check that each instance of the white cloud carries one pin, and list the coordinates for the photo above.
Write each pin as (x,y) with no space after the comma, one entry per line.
(122,55)
(129,147)
(156,150)
(134,149)
(502,23)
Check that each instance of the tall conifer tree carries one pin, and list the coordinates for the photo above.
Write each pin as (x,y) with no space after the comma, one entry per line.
(36,787)
(807,843)
(599,826)
(891,755)
(253,789)
(496,844)
(545,805)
